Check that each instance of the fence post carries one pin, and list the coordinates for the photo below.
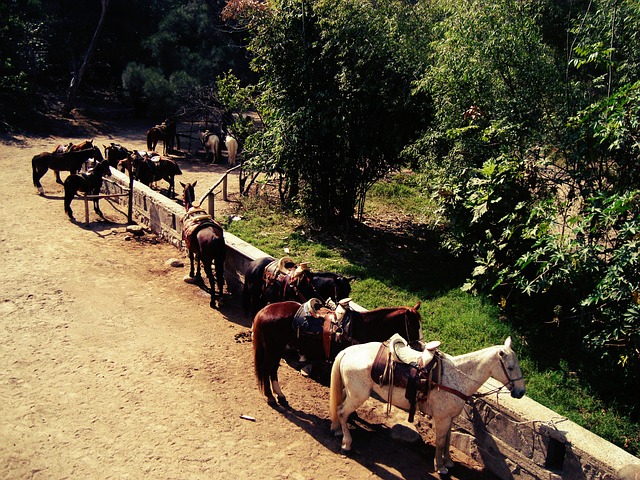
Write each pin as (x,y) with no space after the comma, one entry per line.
(86,208)
(212,208)
(224,187)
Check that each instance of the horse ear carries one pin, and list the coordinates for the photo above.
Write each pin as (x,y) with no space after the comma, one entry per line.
(417,305)
(183,185)
(507,342)
(194,184)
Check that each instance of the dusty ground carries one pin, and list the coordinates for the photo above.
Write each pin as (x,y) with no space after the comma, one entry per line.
(113,367)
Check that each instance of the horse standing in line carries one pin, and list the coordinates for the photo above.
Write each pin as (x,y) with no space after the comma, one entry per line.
(211,143)
(204,238)
(258,291)
(443,397)
(273,330)
(232,149)
(89,183)
(165,132)
(149,170)
(71,161)
(115,153)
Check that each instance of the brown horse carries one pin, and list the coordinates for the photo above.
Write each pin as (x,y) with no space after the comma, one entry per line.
(165,132)
(115,153)
(148,170)
(273,330)
(71,161)
(204,238)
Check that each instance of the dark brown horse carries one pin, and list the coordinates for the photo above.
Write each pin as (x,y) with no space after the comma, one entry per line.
(258,291)
(115,153)
(165,132)
(71,161)
(89,183)
(273,330)
(148,170)
(204,238)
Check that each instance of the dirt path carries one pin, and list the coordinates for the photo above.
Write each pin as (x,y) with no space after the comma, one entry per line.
(113,367)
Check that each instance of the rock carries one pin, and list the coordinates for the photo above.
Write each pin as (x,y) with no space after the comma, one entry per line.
(404,433)
(136,230)
(174,262)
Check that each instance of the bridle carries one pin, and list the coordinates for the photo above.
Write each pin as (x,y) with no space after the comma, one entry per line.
(466,398)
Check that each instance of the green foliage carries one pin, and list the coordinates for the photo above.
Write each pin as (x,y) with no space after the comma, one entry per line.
(335,100)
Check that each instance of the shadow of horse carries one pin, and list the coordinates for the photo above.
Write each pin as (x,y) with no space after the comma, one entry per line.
(377,451)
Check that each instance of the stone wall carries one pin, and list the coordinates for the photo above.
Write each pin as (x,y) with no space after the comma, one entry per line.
(514,439)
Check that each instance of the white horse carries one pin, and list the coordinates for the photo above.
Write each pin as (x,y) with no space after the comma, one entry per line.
(211,143)
(232,149)
(462,376)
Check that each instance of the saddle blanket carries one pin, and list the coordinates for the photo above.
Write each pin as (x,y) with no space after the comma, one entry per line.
(193,221)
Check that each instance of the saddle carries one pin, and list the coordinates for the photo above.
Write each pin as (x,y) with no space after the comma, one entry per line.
(194,220)
(280,274)
(398,365)
(333,326)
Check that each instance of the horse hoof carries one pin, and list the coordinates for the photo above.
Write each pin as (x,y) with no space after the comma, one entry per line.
(443,471)
(345,452)
(283,402)
(272,402)
(188,279)
(40,191)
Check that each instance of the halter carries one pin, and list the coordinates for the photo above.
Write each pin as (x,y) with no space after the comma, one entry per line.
(511,381)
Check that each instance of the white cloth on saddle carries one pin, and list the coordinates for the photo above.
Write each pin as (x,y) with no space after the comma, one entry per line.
(401,351)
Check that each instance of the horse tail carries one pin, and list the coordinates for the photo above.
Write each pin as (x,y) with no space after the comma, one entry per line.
(260,354)
(336,394)
(34,167)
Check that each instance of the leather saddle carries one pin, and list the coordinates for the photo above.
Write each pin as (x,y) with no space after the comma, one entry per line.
(398,365)
(193,221)
(279,275)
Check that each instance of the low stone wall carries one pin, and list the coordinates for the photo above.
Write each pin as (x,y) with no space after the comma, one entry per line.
(511,438)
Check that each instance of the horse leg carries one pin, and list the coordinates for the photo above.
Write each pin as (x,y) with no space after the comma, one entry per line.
(172,187)
(442,461)
(282,400)
(96,207)
(58,179)
(206,262)
(69,193)
(219,264)
(191,262)
(38,173)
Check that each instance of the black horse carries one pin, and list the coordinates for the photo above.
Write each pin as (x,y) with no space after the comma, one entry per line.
(115,153)
(259,291)
(69,162)
(148,170)
(89,183)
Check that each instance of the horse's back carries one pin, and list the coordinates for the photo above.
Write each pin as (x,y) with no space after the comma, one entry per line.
(278,311)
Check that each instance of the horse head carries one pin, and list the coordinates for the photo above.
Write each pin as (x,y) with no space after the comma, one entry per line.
(322,285)
(507,370)
(188,194)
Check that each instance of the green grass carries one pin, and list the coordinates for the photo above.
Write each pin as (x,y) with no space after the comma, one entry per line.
(393,271)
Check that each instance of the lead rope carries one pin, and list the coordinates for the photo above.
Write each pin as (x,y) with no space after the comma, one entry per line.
(389,371)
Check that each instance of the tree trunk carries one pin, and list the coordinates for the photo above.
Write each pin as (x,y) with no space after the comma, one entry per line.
(76,79)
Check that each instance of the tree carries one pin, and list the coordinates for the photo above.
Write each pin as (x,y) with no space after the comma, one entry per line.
(335,83)
(77,77)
